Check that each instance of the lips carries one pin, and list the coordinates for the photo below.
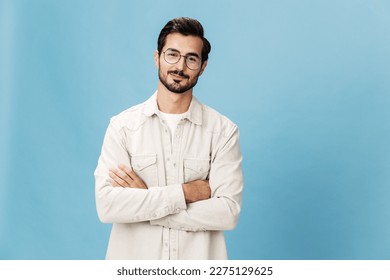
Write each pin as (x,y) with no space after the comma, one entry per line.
(178,75)
(177,78)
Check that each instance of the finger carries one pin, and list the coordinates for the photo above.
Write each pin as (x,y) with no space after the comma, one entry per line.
(113,178)
(118,179)
(138,183)
(134,175)
(124,176)
(127,170)
(137,180)
(133,180)
(111,174)
(113,183)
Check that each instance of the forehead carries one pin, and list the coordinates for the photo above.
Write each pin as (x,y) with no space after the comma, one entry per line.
(184,44)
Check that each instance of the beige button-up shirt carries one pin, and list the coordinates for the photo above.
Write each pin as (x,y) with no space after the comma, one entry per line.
(156,223)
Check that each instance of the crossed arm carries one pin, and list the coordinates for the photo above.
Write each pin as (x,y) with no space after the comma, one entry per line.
(125,177)
(123,197)
(203,212)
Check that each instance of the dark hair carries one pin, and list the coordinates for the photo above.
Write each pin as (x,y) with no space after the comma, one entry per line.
(185,26)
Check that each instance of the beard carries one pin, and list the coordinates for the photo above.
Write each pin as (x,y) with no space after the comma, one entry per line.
(177,87)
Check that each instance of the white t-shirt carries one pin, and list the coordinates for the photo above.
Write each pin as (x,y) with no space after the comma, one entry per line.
(171,120)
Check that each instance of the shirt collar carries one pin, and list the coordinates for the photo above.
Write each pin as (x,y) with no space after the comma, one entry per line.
(194,113)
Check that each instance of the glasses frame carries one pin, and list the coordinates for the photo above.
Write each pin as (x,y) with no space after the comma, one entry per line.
(185,59)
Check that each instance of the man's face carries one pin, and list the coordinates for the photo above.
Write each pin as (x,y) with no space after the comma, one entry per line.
(177,77)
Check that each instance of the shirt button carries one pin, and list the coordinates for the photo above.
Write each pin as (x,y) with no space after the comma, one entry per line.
(174,164)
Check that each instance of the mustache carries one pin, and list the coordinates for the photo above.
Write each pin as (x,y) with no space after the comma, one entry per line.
(179,73)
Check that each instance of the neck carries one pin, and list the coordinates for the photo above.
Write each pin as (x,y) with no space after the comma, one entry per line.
(173,103)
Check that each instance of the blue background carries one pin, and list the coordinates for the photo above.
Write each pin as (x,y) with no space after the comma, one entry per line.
(308,83)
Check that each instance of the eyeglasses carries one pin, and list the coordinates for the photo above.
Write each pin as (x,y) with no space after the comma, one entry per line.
(193,62)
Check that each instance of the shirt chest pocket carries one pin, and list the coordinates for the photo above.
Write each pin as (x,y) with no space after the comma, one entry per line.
(196,169)
(145,166)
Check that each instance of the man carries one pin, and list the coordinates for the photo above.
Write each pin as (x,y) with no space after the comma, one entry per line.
(169,175)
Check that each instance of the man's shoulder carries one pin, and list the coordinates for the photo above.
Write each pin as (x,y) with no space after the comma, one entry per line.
(215,121)
(131,118)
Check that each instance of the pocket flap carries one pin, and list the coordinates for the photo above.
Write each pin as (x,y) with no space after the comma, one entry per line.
(140,162)
(197,165)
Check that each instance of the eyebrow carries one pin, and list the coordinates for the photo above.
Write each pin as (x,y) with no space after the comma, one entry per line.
(187,54)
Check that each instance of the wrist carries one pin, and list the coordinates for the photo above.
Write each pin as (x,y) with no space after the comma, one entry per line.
(186,192)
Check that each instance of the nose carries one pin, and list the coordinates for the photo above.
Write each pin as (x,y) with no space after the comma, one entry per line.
(181,64)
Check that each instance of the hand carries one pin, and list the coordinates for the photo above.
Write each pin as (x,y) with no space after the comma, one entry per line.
(125,177)
(196,190)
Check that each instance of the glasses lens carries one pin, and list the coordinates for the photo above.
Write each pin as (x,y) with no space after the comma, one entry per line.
(193,62)
(171,56)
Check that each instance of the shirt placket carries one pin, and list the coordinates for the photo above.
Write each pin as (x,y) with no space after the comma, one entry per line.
(172,146)
(176,152)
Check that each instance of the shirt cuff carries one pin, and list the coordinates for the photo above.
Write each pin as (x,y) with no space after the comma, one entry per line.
(175,198)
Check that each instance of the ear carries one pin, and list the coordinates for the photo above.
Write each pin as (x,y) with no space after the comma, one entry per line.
(203,67)
(157,58)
